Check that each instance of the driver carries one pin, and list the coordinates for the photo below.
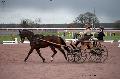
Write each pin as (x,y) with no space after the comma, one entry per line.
(86,34)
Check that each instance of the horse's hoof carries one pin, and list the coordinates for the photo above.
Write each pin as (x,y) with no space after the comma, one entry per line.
(43,60)
(51,60)
(24,60)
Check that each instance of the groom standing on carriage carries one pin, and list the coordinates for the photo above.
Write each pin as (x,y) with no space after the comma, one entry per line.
(100,34)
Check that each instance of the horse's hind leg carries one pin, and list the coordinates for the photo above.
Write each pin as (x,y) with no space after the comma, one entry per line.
(38,51)
(54,52)
(63,52)
(31,50)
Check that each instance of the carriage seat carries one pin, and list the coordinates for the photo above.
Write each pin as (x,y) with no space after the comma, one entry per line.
(93,39)
(86,41)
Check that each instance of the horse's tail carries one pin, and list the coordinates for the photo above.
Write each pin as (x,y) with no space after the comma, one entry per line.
(65,46)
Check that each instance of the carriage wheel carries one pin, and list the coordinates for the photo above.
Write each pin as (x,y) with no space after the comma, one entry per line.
(104,54)
(70,58)
(92,57)
(80,56)
(70,55)
(100,54)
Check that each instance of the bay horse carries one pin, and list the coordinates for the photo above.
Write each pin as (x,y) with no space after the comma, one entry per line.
(38,41)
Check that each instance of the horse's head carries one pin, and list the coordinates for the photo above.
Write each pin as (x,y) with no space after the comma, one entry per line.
(25,33)
(22,36)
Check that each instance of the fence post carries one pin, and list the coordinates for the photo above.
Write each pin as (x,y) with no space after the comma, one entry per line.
(16,41)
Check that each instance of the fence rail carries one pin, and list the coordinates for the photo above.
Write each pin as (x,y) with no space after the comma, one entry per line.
(106,29)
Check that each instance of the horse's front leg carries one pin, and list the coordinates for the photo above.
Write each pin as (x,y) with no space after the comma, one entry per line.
(31,50)
(38,51)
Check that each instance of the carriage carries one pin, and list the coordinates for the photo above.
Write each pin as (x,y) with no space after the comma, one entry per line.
(96,53)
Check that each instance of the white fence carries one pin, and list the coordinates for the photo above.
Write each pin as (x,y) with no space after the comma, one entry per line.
(58,29)
(11,42)
(106,29)
(67,40)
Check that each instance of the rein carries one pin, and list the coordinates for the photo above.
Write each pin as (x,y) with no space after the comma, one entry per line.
(51,42)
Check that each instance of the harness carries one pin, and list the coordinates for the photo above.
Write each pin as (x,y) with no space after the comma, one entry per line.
(41,38)
(51,42)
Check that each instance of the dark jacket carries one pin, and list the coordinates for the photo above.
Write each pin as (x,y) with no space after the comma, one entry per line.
(100,35)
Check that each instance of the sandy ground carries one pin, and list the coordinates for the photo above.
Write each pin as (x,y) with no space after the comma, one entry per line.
(12,65)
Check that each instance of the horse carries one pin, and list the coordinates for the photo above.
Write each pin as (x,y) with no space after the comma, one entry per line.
(38,41)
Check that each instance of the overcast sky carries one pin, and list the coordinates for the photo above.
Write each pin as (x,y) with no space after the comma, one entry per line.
(57,11)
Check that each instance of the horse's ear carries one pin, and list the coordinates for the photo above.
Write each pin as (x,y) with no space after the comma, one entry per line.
(19,31)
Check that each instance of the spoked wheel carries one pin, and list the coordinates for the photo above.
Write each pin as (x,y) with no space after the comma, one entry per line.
(70,58)
(70,55)
(92,57)
(103,54)
(80,56)
(99,54)
(76,55)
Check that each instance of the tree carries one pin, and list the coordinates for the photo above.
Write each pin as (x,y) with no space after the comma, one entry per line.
(71,25)
(26,23)
(117,24)
(87,17)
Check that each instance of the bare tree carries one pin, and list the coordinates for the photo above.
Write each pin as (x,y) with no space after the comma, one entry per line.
(117,24)
(87,17)
(26,23)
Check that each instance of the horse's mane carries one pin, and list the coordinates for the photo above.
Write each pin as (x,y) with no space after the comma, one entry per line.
(25,30)
(39,35)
